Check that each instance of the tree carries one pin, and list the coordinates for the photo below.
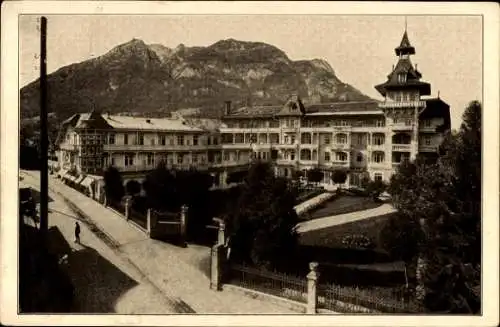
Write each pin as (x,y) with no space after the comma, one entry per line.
(440,204)
(375,188)
(161,189)
(339,176)
(133,187)
(113,184)
(262,227)
(314,175)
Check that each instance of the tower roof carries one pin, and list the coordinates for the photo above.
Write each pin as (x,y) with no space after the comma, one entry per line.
(405,46)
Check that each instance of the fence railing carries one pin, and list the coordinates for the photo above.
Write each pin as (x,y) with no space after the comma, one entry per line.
(333,297)
(278,284)
(351,298)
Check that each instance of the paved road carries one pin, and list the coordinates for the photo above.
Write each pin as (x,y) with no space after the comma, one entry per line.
(103,281)
(178,273)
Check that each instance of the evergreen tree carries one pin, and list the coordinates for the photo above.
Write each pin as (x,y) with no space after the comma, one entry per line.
(263,227)
(113,184)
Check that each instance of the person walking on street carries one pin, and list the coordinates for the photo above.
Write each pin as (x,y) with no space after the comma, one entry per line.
(77,232)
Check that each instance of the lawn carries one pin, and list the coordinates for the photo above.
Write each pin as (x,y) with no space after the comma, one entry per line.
(341,205)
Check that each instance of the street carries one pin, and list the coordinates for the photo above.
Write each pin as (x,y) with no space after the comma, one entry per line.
(149,276)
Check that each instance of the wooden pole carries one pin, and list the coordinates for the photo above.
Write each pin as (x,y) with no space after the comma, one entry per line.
(44,186)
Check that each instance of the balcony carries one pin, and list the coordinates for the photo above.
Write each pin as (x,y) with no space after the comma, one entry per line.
(340,164)
(341,146)
(402,104)
(427,129)
(156,147)
(232,163)
(401,147)
(68,147)
(402,127)
(237,146)
(428,148)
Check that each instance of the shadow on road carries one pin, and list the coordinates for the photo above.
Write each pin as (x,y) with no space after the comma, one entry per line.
(98,283)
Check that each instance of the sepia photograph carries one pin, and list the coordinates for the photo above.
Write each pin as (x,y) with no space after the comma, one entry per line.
(265,161)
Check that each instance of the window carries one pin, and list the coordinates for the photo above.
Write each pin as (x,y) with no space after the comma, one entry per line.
(194,157)
(226,156)
(401,78)
(378,177)
(163,140)
(340,156)
(209,140)
(180,158)
(292,139)
(171,141)
(380,123)
(216,140)
(427,140)
(125,139)
(180,140)
(129,160)
(359,157)
(408,122)
(305,138)
(327,156)
(113,162)
(427,123)
(140,139)
(305,155)
(188,142)
(111,139)
(378,139)
(327,139)
(150,159)
(152,141)
(292,155)
(378,157)
(397,97)
(416,97)
(195,139)
(341,138)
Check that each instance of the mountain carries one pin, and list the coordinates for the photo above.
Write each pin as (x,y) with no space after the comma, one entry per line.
(139,78)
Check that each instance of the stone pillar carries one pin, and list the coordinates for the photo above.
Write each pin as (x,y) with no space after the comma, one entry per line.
(312,279)
(221,238)
(148,222)
(215,267)
(127,208)
(183,222)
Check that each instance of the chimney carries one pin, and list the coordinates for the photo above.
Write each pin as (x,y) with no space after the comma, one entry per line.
(227,110)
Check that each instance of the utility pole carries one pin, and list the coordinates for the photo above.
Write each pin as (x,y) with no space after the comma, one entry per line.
(44,173)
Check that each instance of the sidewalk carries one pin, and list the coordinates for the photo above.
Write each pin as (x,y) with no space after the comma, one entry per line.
(104,282)
(178,272)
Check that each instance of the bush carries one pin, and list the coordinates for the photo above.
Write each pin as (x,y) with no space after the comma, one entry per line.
(339,176)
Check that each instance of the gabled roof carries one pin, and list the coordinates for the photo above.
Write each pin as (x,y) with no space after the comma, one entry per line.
(437,108)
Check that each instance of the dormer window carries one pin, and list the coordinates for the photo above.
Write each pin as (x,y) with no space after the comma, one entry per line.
(402,78)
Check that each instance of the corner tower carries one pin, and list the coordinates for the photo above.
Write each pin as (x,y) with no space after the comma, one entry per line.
(402,103)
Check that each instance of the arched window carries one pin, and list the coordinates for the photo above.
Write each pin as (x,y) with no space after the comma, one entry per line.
(378,139)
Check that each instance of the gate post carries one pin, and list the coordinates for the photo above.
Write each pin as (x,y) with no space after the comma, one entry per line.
(215,269)
(183,223)
(148,222)
(312,298)
(127,208)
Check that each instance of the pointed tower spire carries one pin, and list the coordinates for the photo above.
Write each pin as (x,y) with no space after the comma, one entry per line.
(405,47)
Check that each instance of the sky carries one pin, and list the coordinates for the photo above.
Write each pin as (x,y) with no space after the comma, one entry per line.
(359,48)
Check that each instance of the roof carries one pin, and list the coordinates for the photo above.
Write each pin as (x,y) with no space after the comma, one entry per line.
(404,66)
(405,47)
(100,121)
(437,108)
(141,123)
(317,109)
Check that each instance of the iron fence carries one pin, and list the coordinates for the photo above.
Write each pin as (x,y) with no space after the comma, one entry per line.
(354,299)
(278,284)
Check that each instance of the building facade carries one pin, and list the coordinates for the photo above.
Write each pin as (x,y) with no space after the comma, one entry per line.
(363,138)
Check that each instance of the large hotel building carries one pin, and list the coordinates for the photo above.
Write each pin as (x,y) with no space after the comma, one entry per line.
(371,137)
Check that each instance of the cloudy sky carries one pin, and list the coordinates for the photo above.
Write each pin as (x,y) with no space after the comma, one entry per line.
(359,48)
